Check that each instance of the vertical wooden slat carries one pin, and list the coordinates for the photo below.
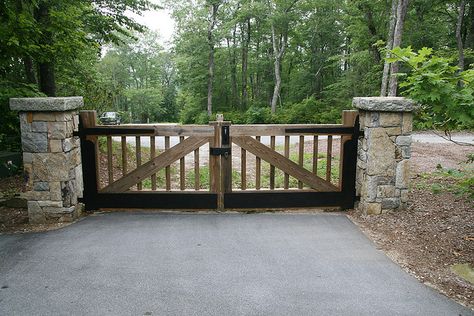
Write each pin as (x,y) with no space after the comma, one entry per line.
(138,148)
(329,159)
(243,169)
(182,171)
(348,120)
(197,174)
(226,160)
(168,168)
(152,155)
(315,154)
(215,165)
(272,168)
(258,169)
(301,157)
(287,155)
(110,167)
(124,155)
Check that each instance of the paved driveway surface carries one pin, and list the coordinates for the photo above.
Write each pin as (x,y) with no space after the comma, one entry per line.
(208,264)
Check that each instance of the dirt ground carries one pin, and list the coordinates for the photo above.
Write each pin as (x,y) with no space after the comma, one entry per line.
(437,229)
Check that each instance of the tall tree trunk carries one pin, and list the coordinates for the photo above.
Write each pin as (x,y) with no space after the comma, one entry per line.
(389,46)
(47,81)
(245,52)
(29,70)
(279,47)
(233,70)
(470,36)
(462,7)
(210,40)
(397,40)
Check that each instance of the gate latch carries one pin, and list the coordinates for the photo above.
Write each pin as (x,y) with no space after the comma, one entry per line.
(220,151)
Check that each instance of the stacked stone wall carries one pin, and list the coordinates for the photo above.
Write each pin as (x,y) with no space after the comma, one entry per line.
(51,157)
(383,166)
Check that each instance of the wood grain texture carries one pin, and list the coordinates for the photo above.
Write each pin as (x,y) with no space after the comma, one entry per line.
(272,167)
(167,168)
(182,169)
(258,169)
(282,163)
(124,155)
(110,161)
(197,175)
(286,184)
(243,169)
(138,151)
(156,164)
(329,159)
(301,157)
(315,154)
(153,155)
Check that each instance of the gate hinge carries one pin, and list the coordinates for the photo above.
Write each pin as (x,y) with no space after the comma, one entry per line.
(220,151)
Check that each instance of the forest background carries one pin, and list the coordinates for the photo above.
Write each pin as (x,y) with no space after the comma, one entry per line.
(256,61)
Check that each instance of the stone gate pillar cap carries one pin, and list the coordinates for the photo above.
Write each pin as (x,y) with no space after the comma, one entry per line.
(60,104)
(384,104)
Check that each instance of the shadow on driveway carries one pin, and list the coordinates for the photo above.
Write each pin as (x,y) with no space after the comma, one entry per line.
(208,264)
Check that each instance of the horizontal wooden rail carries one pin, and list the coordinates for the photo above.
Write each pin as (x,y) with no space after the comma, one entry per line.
(288,129)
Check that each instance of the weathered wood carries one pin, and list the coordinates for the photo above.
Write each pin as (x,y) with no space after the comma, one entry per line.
(167,168)
(348,119)
(258,169)
(182,170)
(215,161)
(286,184)
(156,164)
(89,120)
(274,129)
(153,155)
(301,158)
(197,174)
(315,154)
(226,163)
(286,165)
(110,162)
(138,153)
(329,159)
(124,155)
(243,169)
(272,167)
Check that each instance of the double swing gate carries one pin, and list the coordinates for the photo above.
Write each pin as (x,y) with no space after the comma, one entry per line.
(218,166)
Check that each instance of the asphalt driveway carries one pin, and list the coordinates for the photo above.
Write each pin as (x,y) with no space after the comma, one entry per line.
(208,264)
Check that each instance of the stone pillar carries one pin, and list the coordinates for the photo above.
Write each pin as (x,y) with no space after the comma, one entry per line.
(384,152)
(51,157)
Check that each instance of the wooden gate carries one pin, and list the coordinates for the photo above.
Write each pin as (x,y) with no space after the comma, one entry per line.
(218,166)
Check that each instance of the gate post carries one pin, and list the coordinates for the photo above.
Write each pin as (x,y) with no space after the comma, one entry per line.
(51,157)
(383,153)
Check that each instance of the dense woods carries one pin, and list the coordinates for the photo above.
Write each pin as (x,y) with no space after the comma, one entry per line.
(255,60)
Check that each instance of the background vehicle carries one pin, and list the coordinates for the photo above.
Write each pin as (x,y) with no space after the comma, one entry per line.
(110,118)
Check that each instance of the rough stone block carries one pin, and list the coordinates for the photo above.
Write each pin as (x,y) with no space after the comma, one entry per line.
(393,131)
(384,104)
(56,204)
(28,175)
(406,152)
(373,209)
(39,127)
(46,104)
(372,119)
(36,195)
(41,186)
(50,167)
(402,174)
(389,119)
(386,191)
(55,145)
(79,181)
(391,203)
(24,125)
(35,213)
(57,130)
(34,142)
(407,126)
(403,141)
(68,144)
(404,196)
(380,154)
(27,158)
(75,122)
(69,128)
(55,191)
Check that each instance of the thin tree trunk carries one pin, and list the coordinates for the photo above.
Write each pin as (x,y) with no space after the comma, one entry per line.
(386,65)
(245,51)
(278,51)
(210,40)
(462,7)
(233,70)
(397,40)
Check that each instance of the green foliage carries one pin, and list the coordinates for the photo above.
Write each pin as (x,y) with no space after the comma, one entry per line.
(446,94)
(9,121)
